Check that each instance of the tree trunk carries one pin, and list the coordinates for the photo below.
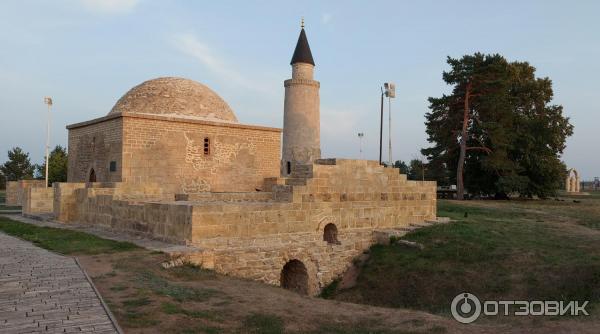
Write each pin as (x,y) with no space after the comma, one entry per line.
(460,187)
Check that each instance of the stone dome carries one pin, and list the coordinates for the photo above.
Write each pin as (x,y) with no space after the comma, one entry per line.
(176,97)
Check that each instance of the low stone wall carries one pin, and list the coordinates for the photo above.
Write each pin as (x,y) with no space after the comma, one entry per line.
(65,201)
(15,190)
(38,201)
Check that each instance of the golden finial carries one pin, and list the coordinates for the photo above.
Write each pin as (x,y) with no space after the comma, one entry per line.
(302,23)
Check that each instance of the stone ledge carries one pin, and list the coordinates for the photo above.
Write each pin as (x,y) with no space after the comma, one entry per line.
(170,119)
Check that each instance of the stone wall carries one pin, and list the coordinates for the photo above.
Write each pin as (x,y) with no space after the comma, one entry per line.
(15,190)
(171,151)
(38,201)
(253,235)
(92,146)
(65,200)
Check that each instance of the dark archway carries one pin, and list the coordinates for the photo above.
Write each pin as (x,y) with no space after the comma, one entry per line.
(295,277)
(330,234)
(92,176)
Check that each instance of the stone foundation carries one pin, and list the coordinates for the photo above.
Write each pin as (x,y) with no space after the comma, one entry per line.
(255,234)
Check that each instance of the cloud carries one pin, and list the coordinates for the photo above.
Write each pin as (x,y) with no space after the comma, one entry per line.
(110,6)
(190,45)
(326,18)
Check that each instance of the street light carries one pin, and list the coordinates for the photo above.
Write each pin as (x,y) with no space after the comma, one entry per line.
(48,102)
(360,137)
(389,92)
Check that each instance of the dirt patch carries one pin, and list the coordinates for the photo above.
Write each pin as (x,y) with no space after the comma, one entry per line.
(146,298)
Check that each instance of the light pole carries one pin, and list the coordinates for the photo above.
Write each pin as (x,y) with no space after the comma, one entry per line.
(381,128)
(390,92)
(360,137)
(48,102)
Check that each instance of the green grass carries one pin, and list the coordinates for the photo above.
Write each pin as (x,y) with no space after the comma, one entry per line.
(262,324)
(62,240)
(503,252)
(178,292)
(172,308)
(137,302)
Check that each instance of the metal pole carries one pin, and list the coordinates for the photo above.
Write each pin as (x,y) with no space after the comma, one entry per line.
(390,130)
(381,128)
(47,144)
(360,137)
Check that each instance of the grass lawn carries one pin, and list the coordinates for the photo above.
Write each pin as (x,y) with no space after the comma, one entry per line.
(511,250)
(63,241)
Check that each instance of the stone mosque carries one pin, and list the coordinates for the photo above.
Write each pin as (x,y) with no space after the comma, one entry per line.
(171,162)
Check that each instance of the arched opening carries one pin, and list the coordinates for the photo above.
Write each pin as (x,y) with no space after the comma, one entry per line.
(295,277)
(92,177)
(288,166)
(330,234)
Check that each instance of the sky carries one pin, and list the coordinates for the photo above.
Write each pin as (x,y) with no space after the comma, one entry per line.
(86,54)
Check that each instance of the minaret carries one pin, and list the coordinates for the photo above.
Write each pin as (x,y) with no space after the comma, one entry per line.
(301,120)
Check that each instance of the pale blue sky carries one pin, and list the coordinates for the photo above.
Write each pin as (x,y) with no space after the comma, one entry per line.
(87,53)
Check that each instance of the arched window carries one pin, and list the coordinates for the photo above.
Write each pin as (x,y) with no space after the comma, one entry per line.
(92,177)
(295,277)
(288,166)
(330,234)
(206,146)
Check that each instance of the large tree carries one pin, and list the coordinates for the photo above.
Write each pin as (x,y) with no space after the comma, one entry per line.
(496,133)
(18,166)
(57,169)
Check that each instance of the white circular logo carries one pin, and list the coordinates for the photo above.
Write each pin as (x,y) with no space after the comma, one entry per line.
(465,308)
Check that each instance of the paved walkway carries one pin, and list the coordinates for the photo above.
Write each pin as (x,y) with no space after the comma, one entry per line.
(43,292)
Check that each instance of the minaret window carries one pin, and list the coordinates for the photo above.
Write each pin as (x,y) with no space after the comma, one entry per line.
(207,146)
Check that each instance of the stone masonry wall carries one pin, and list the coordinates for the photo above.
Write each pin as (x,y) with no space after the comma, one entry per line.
(15,190)
(253,235)
(38,200)
(172,153)
(94,146)
(255,240)
(65,200)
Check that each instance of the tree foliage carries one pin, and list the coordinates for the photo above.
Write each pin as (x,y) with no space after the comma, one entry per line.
(497,128)
(404,169)
(18,166)
(57,169)
(414,170)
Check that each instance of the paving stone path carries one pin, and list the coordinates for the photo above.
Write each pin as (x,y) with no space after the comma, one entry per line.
(43,292)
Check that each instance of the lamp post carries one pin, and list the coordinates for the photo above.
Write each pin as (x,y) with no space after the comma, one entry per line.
(381,128)
(390,92)
(48,102)
(360,137)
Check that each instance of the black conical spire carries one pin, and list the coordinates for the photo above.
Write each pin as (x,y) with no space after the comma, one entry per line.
(302,52)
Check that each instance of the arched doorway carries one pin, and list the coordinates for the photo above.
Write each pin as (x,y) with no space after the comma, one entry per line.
(92,177)
(295,277)
(330,234)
